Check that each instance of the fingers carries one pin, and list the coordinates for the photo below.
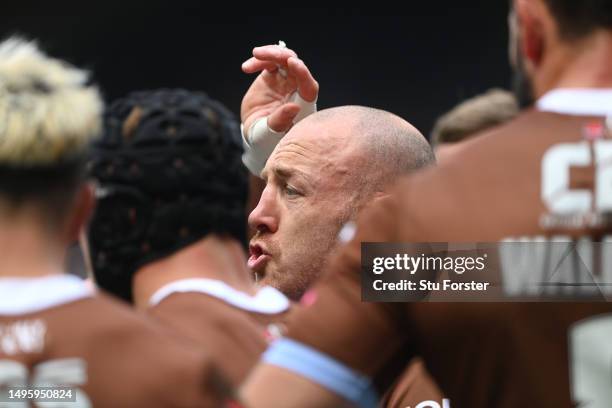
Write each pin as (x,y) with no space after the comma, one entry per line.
(273,53)
(308,88)
(272,56)
(269,57)
(281,119)
(253,65)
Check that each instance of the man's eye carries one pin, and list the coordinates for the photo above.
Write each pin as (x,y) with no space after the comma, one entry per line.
(291,192)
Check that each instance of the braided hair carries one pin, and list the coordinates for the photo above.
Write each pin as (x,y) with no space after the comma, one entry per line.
(169,172)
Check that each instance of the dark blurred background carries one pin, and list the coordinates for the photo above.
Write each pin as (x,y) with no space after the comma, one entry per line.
(417,65)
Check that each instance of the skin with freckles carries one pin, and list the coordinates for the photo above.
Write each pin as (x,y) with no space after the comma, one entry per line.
(311,191)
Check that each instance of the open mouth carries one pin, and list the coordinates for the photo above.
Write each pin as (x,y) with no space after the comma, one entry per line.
(258,258)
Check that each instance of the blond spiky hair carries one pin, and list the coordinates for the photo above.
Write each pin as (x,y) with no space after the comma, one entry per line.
(47,112)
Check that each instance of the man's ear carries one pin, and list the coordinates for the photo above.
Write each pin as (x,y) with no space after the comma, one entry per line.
(82,210)
(531,30)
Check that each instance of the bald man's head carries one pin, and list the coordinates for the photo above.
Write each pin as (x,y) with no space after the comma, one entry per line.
(388,145)
(322,172)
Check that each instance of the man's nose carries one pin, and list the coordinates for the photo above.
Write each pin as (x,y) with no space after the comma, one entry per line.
(264,218)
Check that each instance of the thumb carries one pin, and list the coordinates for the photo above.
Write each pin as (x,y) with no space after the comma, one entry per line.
(281,119)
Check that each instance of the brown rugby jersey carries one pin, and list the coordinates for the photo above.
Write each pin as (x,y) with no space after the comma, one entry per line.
(233,327)
(53,331)
(481,354)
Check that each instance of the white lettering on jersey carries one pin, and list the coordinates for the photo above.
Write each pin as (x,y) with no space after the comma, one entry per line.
(556,164)
(536,266)
(591,362)
(23,336)
(66,372)
(603,150)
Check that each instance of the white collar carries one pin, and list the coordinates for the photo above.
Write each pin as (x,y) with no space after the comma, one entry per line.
(267,300)
(29,295)
(577,102)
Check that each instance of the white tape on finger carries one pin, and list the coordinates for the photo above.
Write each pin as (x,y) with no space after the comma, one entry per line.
(306,108)
(282,71)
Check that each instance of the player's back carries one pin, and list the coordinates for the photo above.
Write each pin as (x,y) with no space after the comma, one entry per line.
(232,326)
(518,354)
(547,186)
(55,332)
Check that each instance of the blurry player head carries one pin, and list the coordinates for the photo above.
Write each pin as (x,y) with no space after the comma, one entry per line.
(48,118)
(546,35)
(321,173)
(471,117)
(169,172)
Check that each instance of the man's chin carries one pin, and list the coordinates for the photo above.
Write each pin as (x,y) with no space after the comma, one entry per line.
(286,288)
(268,278)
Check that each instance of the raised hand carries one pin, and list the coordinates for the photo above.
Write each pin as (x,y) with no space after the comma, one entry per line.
(273,93)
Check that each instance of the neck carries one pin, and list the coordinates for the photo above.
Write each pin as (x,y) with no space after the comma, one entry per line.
(584,64)
(224,261)
(27,251)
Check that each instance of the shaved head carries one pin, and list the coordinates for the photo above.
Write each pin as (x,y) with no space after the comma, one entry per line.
(389,146)
(320,175)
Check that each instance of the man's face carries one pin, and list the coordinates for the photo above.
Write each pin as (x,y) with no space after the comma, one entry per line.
(309,195)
